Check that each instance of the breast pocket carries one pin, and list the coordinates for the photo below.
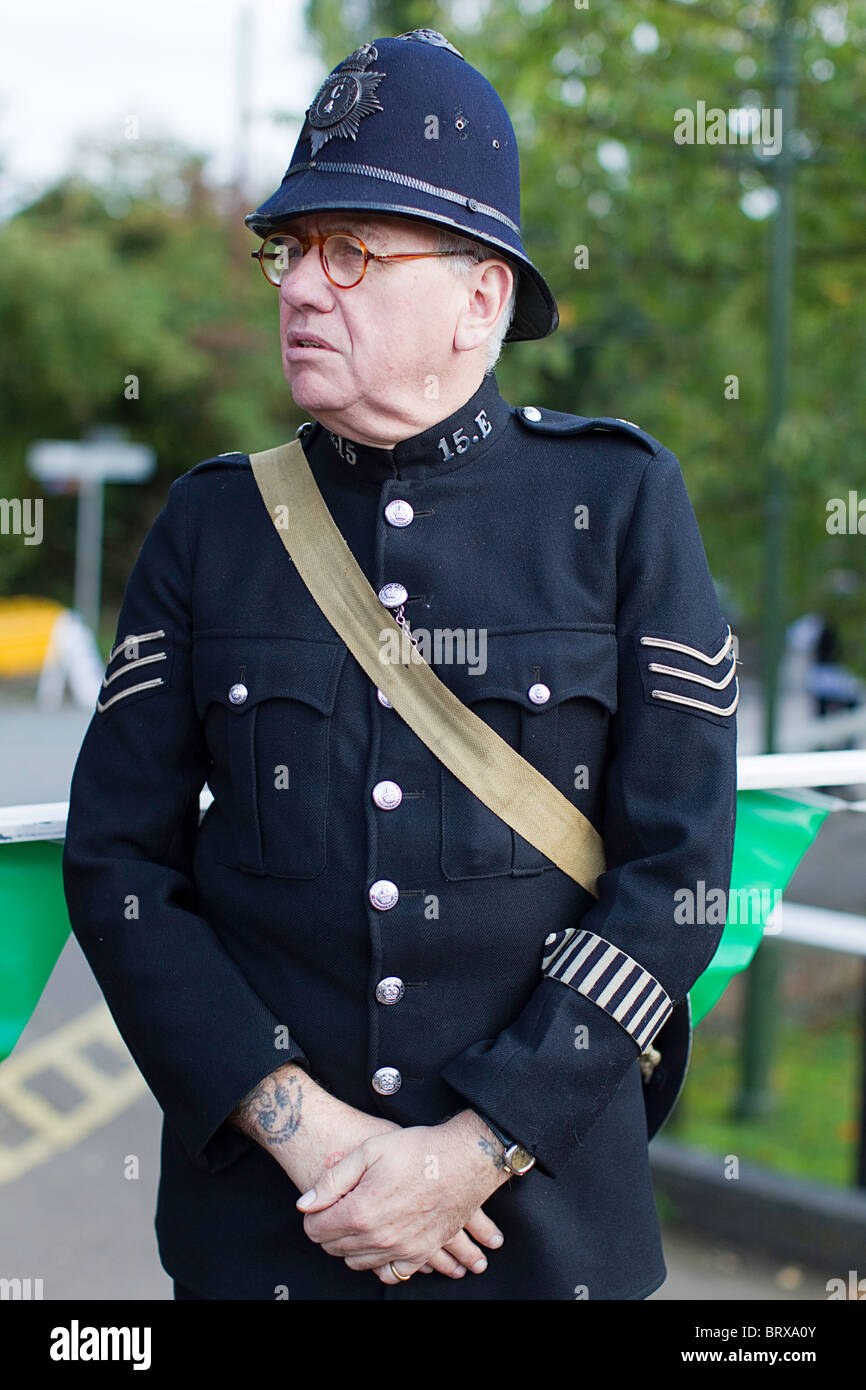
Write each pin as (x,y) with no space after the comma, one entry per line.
(267,706)
(549,694)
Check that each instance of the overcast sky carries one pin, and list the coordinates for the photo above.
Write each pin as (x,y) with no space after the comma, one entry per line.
(76,68)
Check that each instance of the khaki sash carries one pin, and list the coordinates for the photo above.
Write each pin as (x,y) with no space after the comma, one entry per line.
(510,786)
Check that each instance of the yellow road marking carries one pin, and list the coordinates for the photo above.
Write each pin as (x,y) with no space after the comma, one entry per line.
(103,1094)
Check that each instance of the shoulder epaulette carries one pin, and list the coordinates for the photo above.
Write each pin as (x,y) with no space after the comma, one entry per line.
(231,460)
(558,422)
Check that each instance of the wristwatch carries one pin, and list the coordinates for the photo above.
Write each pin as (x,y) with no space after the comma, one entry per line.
(516,1158)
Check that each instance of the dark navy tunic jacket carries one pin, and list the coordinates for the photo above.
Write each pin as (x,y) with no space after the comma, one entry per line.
(226,949)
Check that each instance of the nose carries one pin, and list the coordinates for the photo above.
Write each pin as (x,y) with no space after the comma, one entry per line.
(307,283)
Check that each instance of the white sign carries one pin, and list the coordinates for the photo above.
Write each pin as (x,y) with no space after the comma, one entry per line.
(90,461)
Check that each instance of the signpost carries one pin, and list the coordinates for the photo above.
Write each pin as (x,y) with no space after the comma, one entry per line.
(84,466)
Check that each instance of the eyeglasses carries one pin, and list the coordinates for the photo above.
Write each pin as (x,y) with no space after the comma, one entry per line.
(344,258)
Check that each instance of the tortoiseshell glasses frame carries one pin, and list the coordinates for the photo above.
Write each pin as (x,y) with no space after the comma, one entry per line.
(273,249)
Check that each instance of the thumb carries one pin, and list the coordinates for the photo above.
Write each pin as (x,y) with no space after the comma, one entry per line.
(335,1182)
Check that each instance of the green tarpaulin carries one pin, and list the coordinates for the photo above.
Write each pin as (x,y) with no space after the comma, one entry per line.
(34,925)
(773,833)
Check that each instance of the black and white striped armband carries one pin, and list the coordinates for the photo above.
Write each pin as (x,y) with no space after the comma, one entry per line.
(610,978)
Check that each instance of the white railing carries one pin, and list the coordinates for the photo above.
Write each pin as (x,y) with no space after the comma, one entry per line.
(813,926)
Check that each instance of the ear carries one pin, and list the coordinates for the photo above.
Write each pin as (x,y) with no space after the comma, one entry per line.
(488,288)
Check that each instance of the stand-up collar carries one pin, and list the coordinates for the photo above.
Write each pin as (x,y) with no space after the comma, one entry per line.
(452,443)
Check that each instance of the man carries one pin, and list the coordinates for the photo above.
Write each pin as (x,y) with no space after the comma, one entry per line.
(354,981)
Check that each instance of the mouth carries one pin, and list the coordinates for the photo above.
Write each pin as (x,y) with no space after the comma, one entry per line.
(298,344)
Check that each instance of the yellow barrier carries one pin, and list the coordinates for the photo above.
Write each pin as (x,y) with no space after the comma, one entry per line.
(25,629)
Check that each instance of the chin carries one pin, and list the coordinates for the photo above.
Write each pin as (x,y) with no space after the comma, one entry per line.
(312,391)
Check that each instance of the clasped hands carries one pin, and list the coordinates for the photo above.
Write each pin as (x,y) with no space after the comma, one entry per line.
(408,1195)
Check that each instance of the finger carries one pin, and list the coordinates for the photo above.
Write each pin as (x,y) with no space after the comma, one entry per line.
(444,1263)
(467,1252)
(485,1231)
(334,1183)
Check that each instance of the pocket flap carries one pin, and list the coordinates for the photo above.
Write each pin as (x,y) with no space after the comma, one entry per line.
(565,662)
(268,668)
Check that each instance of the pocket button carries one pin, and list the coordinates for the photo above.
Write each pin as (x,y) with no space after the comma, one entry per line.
(539,694)
(387,795)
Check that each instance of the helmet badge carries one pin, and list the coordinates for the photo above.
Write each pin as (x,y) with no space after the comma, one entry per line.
(346,95)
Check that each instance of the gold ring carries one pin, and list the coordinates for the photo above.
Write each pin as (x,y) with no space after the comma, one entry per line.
(401,1277)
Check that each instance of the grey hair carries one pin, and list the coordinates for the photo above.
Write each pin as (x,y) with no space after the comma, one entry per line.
(471,253)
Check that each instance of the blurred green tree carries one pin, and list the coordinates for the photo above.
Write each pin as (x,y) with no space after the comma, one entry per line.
(131,301)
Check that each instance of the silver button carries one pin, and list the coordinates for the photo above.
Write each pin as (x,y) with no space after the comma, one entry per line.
(387,1080)
(238,694)
(390,990)
(383,699)
(303,429)
(539,694)
(383,894)
(530,412)
(387,795)
(392,595)
(399,512)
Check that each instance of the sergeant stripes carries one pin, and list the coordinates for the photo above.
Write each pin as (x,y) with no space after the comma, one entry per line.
(681,674)
(612,980)
(130,645)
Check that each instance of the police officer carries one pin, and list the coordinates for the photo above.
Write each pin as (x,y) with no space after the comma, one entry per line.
(352,979)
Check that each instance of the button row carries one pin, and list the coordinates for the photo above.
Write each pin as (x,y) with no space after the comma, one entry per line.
(390,990)
(387,795)
(539,694)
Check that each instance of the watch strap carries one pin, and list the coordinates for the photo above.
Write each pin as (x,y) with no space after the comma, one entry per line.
(503,1138)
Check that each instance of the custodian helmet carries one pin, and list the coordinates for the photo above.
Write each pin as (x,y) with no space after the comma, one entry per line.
(406,126)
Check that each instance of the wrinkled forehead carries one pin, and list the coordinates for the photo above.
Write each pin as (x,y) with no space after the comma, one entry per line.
(362,224)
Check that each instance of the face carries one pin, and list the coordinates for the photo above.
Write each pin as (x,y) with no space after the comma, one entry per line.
(397,344)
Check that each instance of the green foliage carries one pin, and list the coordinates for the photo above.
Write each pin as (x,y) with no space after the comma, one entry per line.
(147,276)
(813,1130)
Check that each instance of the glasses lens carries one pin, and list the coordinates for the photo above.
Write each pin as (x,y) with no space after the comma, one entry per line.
(280,255)
(344,259)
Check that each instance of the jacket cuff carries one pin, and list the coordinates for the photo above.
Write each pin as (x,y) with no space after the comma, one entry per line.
(225,1143)
(547,1078)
